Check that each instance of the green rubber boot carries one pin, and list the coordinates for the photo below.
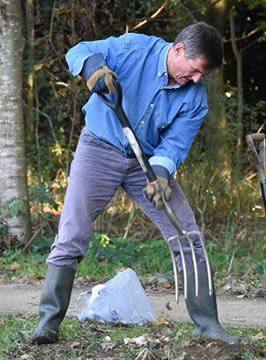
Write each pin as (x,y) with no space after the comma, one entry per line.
(54,302)
(203,309)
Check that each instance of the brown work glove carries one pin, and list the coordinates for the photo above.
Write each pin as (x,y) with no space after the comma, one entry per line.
(104,74)
(153,192)
(98,76)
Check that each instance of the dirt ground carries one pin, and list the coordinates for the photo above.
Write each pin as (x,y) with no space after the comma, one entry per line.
(233,311)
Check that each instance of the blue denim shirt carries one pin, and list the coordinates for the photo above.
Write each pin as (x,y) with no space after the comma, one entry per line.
(165,118)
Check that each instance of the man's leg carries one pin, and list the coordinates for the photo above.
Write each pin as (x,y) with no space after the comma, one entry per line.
(202,309)
(96,173)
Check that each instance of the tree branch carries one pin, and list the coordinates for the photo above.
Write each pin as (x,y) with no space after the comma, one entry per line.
(143,22)
(233,33)
(50,35)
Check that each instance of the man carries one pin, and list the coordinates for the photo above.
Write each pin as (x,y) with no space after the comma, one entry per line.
(166,102)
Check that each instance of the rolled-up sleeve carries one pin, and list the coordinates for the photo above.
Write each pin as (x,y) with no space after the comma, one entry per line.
(176,140)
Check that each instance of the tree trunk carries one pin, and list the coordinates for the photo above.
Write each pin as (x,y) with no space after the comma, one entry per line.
(239,60)
(30,77)
(215,124)
(13,175)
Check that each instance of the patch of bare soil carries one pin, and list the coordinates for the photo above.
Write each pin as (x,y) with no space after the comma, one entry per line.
(210,349)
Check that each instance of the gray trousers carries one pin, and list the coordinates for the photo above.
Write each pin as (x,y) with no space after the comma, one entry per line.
(97,170)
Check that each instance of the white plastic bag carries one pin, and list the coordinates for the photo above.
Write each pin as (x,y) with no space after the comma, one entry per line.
(121,299)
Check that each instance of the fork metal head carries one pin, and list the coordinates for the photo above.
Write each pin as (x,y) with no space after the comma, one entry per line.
(178,239)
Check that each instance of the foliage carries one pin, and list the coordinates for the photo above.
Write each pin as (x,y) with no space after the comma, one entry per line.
(106,256)
(3,228)
(38,194)
(16,262)
(53,124)
(40,197)
(150,259)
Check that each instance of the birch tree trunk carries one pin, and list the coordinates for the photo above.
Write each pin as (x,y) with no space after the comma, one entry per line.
(31,75)
(13,175)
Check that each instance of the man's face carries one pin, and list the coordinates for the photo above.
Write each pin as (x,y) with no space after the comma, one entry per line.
(182,70)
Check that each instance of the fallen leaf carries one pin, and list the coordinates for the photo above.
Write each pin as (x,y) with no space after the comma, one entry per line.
(26,356)
(187,343)
(107,346)
(168,306)
(183,356)
(242,296)
(15,266)
(166,351)
(227,287)
(74,344)
(140,340)
(259,336)
(161,321)
(162,339)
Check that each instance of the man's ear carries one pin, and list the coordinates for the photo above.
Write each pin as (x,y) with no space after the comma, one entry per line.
(179,49)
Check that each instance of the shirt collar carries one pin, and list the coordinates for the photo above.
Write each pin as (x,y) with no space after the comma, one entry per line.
(162,68)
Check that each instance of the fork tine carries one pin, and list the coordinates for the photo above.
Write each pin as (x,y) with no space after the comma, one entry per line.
(184,265)
(194,260)
(195,265)
(183,261)
(209,272)
(175,269)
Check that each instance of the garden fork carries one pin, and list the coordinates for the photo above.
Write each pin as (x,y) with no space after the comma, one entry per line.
(116,106)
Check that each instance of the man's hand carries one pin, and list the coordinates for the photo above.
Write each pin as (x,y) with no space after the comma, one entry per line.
(97,74)
(103,75)
(153,192)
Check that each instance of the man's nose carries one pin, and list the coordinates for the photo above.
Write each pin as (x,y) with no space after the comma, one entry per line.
(196,77)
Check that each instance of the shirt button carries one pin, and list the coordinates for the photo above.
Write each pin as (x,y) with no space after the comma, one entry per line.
(142,122)
(151,105)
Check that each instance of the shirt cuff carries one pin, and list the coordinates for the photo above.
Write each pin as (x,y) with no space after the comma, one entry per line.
(165,162)
(161,171)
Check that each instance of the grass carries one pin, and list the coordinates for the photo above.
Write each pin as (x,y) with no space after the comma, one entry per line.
(107,256)
(88,340)
(16,264)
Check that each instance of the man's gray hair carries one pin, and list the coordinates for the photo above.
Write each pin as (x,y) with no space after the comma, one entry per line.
(201,39)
